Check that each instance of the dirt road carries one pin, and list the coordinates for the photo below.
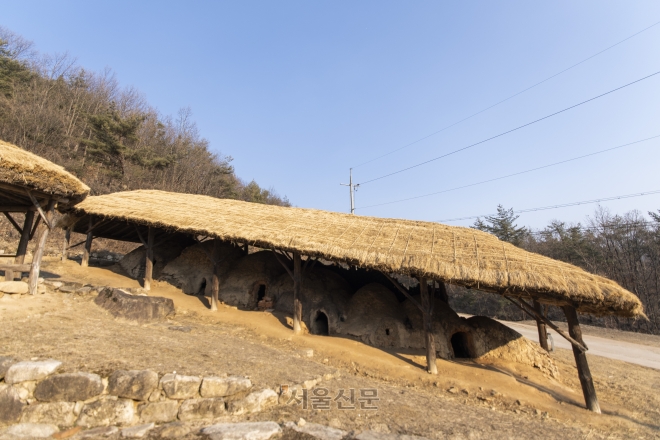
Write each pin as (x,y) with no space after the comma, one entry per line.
(624,351)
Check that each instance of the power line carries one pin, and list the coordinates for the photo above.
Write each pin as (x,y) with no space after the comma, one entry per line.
(509,175)
(510,97)
(509,131)
(565,205)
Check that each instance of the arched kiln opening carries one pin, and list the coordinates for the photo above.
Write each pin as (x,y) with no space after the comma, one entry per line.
(259,293)
(202,287)
(320,324)
(460,344)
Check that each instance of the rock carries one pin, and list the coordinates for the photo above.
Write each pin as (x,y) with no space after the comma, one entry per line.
(138,431)
(177,386)
(133,384)
(317,431)
(69,387)
(309,353)
(5,363)
(159,412)
(107,411)
(67,289)
(83,290)
(196,409)
(142,309)
(104,431)
(453,390)
(10,406)
(54,284)
(224,386)
(254,402)
(29,370)
(173,430)
(14,287)
(155,396)
(240,431)
(30,430)
(53,413)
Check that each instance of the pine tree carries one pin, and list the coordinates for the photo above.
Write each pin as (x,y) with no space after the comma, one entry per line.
(112,137)
(502,225)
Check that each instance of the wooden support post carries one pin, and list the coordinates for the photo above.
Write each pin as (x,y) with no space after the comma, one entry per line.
(149,264)
(41,246)
(67,242)
(215,286)
(22,244)
(297,287)
(540,325)
(88,244)
(427,314)
(584,374)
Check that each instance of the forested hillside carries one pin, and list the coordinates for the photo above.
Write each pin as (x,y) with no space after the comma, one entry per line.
(108,136)
(624,248)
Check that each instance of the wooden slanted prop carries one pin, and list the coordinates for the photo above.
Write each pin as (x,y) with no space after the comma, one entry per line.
(581,360)
(25,231)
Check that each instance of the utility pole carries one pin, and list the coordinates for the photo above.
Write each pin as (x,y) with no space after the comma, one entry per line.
(352,188)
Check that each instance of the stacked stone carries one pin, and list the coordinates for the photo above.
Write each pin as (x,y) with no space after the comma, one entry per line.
(33,393)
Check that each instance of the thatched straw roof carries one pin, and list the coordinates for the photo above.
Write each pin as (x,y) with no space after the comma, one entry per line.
(452,254)
(20,169)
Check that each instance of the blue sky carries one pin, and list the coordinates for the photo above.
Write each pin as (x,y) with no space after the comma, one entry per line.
(299,92)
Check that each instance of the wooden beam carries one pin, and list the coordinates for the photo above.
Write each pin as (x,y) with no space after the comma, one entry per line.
(297,288)
(284,265)
(13,222)
(215,284)
(15,268)
(540,325)
(22,244)
(149,265)
(35,202)
(531,312)
(584,373)
(34,228)
(404,291)
(144,243)
(88,244)
(40,248)
(65,245)
(17,208)
(427,316)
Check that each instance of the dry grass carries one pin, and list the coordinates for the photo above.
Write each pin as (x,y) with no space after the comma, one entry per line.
(22,168)
(457,255)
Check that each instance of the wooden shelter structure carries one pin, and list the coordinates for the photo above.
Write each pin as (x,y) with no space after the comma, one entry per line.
(430,252)
(34,186)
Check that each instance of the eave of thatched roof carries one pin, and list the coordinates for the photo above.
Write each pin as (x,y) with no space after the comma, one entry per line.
(21,170)
(457,255)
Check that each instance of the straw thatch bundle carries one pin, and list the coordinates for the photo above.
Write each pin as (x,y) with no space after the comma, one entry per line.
(458,255)
(24,169)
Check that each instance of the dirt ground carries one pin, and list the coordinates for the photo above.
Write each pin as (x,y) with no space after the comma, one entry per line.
(498,400)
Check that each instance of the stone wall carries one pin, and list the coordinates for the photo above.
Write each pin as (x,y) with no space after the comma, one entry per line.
(33,393)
